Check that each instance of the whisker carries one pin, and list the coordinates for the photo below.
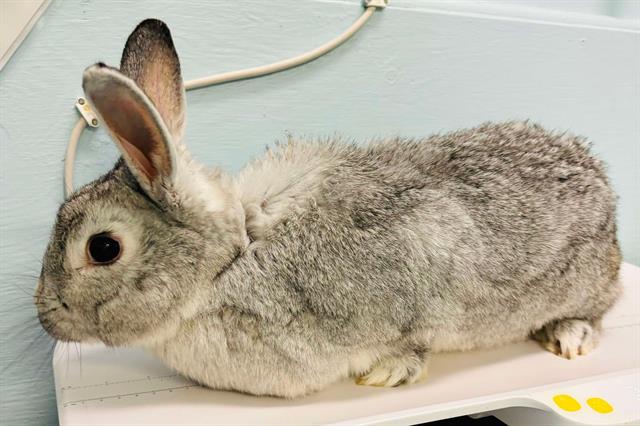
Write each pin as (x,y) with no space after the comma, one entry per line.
(22,290)
(67,350)
(19,331)
(18,294)
(55,308)
(27,307)
(27,354)
(78,355)
(43,300)
(35,259)
(27,275)
(47,360)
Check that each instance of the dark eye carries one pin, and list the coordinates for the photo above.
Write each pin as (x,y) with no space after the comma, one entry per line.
(103,249)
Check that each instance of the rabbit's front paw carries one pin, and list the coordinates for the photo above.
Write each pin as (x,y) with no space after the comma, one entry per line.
(569,338)
(394,372)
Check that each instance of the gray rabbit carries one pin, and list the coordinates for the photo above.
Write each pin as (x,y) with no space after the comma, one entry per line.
(324,260)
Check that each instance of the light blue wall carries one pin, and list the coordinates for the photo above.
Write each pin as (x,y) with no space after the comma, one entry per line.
(415,69)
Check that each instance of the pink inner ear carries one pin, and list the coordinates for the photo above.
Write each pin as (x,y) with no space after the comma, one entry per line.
(138,134)
(144,165)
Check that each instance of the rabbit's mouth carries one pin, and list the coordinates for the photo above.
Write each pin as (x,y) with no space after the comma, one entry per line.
(60,325)
(57,318)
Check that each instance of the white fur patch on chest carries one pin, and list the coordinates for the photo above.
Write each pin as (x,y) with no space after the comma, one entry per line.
(196,187)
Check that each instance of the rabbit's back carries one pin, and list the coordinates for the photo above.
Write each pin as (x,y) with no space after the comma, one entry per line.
(484,234)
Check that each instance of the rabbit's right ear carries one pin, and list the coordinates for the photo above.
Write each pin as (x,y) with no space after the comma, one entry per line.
(135,125)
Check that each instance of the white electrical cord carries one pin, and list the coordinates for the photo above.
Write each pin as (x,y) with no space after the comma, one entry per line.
(370,7)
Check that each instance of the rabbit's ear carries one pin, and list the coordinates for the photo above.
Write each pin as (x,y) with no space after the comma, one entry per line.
(136,126)
(150,59)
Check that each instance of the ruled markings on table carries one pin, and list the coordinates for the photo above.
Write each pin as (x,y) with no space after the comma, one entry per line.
(107,383)
(126,395)
(117,389)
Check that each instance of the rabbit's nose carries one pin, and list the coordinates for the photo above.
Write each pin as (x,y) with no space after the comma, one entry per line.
(49,292)
(61,300)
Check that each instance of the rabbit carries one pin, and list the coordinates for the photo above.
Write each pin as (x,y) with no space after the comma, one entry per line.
(321,261)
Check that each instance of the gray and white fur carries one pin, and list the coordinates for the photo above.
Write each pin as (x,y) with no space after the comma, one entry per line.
(324,260)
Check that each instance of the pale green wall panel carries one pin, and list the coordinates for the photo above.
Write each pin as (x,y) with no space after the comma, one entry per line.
(415,69)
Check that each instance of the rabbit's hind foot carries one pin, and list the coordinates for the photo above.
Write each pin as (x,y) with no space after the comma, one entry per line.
(569,338)
(390,372)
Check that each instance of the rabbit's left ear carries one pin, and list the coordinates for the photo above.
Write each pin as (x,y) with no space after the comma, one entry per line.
(150,59)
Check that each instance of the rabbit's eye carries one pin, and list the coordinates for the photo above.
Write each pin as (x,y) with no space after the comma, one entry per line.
(103,249)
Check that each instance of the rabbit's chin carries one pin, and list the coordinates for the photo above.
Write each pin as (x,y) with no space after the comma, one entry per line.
(114,341)
(64,331)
